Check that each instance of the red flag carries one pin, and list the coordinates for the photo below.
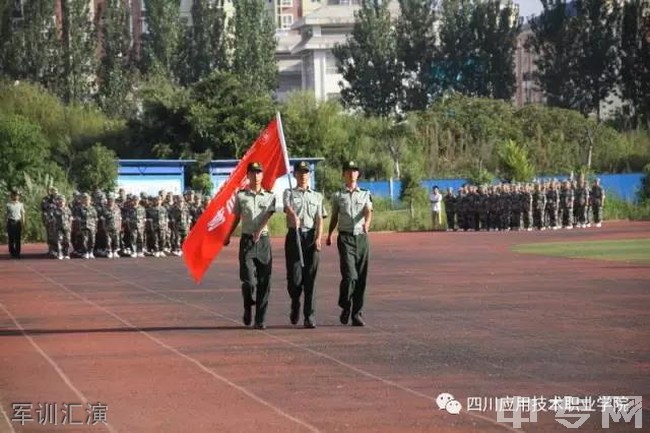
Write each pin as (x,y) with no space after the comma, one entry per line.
(206,238)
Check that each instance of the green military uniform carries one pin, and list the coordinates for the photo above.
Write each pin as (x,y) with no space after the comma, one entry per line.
(255,258)
(87,218)
(352,243)
(63,220)
(597,200)
(308,206)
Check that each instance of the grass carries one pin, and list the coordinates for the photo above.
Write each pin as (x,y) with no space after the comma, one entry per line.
(629,250)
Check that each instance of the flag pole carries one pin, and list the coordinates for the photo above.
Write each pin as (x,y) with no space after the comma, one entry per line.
(288,167)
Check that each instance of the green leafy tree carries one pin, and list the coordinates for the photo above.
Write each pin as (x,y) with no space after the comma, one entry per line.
(598,37)
(24,150)
(370,64)
(203,46)
(553,42)
(79,41)
(416,47)
(514,162)
(253,46)
(635,61)
(115,75)
(160,43)
(30,47)
(95,168)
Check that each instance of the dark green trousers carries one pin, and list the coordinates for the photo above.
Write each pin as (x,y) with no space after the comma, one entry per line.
(255,263)
(301,279)
(353,254)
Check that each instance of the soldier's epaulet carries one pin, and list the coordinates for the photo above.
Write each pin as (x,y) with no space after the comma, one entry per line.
(364,189)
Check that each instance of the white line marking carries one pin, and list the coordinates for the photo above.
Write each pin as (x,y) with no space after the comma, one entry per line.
(182,355)
(6,417)
(387,382)
(53,363)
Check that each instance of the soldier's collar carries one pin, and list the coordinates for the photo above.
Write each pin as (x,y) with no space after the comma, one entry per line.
(347,189)
(307,188)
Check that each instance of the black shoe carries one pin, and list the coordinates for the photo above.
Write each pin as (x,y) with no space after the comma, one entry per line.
(345,316)
(260,326)
(248,316)
(295,313)
(309,324)
(357,320)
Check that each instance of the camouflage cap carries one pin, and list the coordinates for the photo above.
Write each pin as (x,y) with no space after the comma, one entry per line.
(351,165)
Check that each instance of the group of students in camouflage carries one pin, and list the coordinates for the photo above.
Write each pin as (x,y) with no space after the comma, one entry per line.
(504,207)
(122,225)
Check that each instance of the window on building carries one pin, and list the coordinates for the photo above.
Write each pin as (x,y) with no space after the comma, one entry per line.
(286,21)
(286,3)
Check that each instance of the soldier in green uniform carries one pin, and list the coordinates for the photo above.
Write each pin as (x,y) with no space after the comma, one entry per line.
(597,202)
(552,203)
(157,214)
(63,220)
(581,203)
(111,217)
(87,217)
(352,213)
(566,205)
(539,205)
(179,219)
(450,201)
(48,204)
(253,207)
(305,213)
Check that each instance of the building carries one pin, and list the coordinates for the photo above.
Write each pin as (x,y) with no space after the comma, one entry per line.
(527,91)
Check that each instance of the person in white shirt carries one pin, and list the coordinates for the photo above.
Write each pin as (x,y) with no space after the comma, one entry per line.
(436,210)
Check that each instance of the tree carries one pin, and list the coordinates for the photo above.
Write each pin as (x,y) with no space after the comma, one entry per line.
(514,162)
(203,48)
(598,37)
(79,41)
(115,74)
(253,46)
(553,41)
(160,43)
(24,150)
(30,48)
(370,64)
(495,26)
(95,168)
(635,61)
(416,47)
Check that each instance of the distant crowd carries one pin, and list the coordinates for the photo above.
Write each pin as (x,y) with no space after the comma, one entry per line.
(550,205)
(121,225)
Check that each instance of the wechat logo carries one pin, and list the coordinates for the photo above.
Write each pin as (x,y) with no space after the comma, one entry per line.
(446,401)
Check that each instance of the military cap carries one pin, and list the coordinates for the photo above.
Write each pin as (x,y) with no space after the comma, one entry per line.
(302,166)
(254,166)
(350,165)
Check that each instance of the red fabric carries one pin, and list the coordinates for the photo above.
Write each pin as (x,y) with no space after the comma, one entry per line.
(205,240)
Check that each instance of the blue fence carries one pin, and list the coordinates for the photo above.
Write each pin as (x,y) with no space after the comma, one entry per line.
(625,186)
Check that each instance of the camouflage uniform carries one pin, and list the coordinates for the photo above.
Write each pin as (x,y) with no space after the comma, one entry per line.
(179,223)
(450,201)
(539,205)
(505,208)
(62,216)
(87,217)
(159,221)
(597,202)
(552,202)
(111,217)
(136,218)
(482,207)
(48,204)
(527,207)
(580,204)
(566,205)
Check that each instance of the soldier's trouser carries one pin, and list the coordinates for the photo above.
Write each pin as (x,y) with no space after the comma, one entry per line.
(353,256)
(538,220)
(527,217)
(136,239)
(14,232)
(567,218)
(580,212)
(598,216)
(113,241)
(552,216)
(483,220)
(469,220)
(505,219)
(101,241)
(460,216)
(451,219)
(87,240)
(158,239)
(51,246)
(515,219)
(52,238)
(301,279)
(255,264)
(63,242)
(177,238)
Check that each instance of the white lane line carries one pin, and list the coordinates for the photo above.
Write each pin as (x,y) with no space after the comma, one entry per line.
(53,363)
(182,355)
(385,381)
(6,417)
